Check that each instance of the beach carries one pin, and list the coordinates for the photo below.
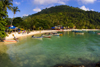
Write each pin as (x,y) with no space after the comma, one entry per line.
(10,36)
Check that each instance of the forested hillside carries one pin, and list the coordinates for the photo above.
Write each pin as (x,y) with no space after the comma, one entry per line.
(63,15)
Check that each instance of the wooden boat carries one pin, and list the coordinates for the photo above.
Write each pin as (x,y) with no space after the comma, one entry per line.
(47,36)
(10,41)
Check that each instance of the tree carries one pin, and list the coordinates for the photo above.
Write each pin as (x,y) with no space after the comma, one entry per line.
(7,4)
(71,25)
(15,9)
(17,21)
(2,21)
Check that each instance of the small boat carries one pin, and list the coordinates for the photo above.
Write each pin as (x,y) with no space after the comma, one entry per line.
(57,34)
(47,36)
(93,32)
(73,30)
(78,31)
(37,37)
(10,41)
(61,34)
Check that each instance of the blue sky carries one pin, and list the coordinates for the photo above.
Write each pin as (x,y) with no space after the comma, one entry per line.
(28,7)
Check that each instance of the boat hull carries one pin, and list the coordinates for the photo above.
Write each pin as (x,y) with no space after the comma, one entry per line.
(14,41)
(47,36)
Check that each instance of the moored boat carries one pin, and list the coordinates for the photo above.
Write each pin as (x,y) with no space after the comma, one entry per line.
(93,32)
(78,31)
(10,41)
(47,36)
(37,37)
(57,34)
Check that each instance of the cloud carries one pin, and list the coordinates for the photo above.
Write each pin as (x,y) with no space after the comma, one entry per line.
(92,9)
(17,3)
(50,6)
(25,15)
(86,9)
(87,1)
(37,9)
(62,3)
(46,2)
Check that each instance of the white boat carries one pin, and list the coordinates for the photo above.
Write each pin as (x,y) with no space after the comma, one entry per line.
(47,36)
(37,37)
(57,34)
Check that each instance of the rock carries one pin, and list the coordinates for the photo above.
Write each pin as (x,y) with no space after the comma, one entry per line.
(97,64)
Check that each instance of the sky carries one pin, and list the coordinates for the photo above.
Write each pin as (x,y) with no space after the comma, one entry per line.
(29,7)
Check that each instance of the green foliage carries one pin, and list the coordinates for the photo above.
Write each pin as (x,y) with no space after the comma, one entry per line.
(7,4)
(17,21)
(71,25)
(63,15)
(2,21)
(14,9)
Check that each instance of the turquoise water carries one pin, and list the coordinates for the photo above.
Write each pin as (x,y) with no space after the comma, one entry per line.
(70,49)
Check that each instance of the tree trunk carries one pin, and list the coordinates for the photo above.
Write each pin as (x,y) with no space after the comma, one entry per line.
(12,19)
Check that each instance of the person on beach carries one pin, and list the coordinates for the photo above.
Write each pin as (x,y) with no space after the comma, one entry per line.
(15,38)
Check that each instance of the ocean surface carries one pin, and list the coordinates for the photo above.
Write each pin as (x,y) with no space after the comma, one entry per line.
(69,49)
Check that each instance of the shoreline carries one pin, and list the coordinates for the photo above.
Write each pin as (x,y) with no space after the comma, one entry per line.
(10,36)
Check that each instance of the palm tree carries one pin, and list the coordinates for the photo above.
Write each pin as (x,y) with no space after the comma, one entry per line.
(7,4)
(15,9)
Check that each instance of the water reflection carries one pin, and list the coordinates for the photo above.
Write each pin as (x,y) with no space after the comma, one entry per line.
(5,61)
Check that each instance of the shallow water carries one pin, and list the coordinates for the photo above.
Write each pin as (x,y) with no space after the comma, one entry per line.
(68,49)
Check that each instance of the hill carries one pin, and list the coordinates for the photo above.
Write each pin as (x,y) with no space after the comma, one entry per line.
(63,15)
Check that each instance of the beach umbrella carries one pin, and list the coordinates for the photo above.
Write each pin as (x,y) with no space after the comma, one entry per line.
(12,27)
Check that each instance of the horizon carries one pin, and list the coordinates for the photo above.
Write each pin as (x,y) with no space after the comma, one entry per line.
(29,7)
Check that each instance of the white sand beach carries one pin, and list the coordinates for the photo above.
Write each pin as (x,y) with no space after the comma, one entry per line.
(10,36)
